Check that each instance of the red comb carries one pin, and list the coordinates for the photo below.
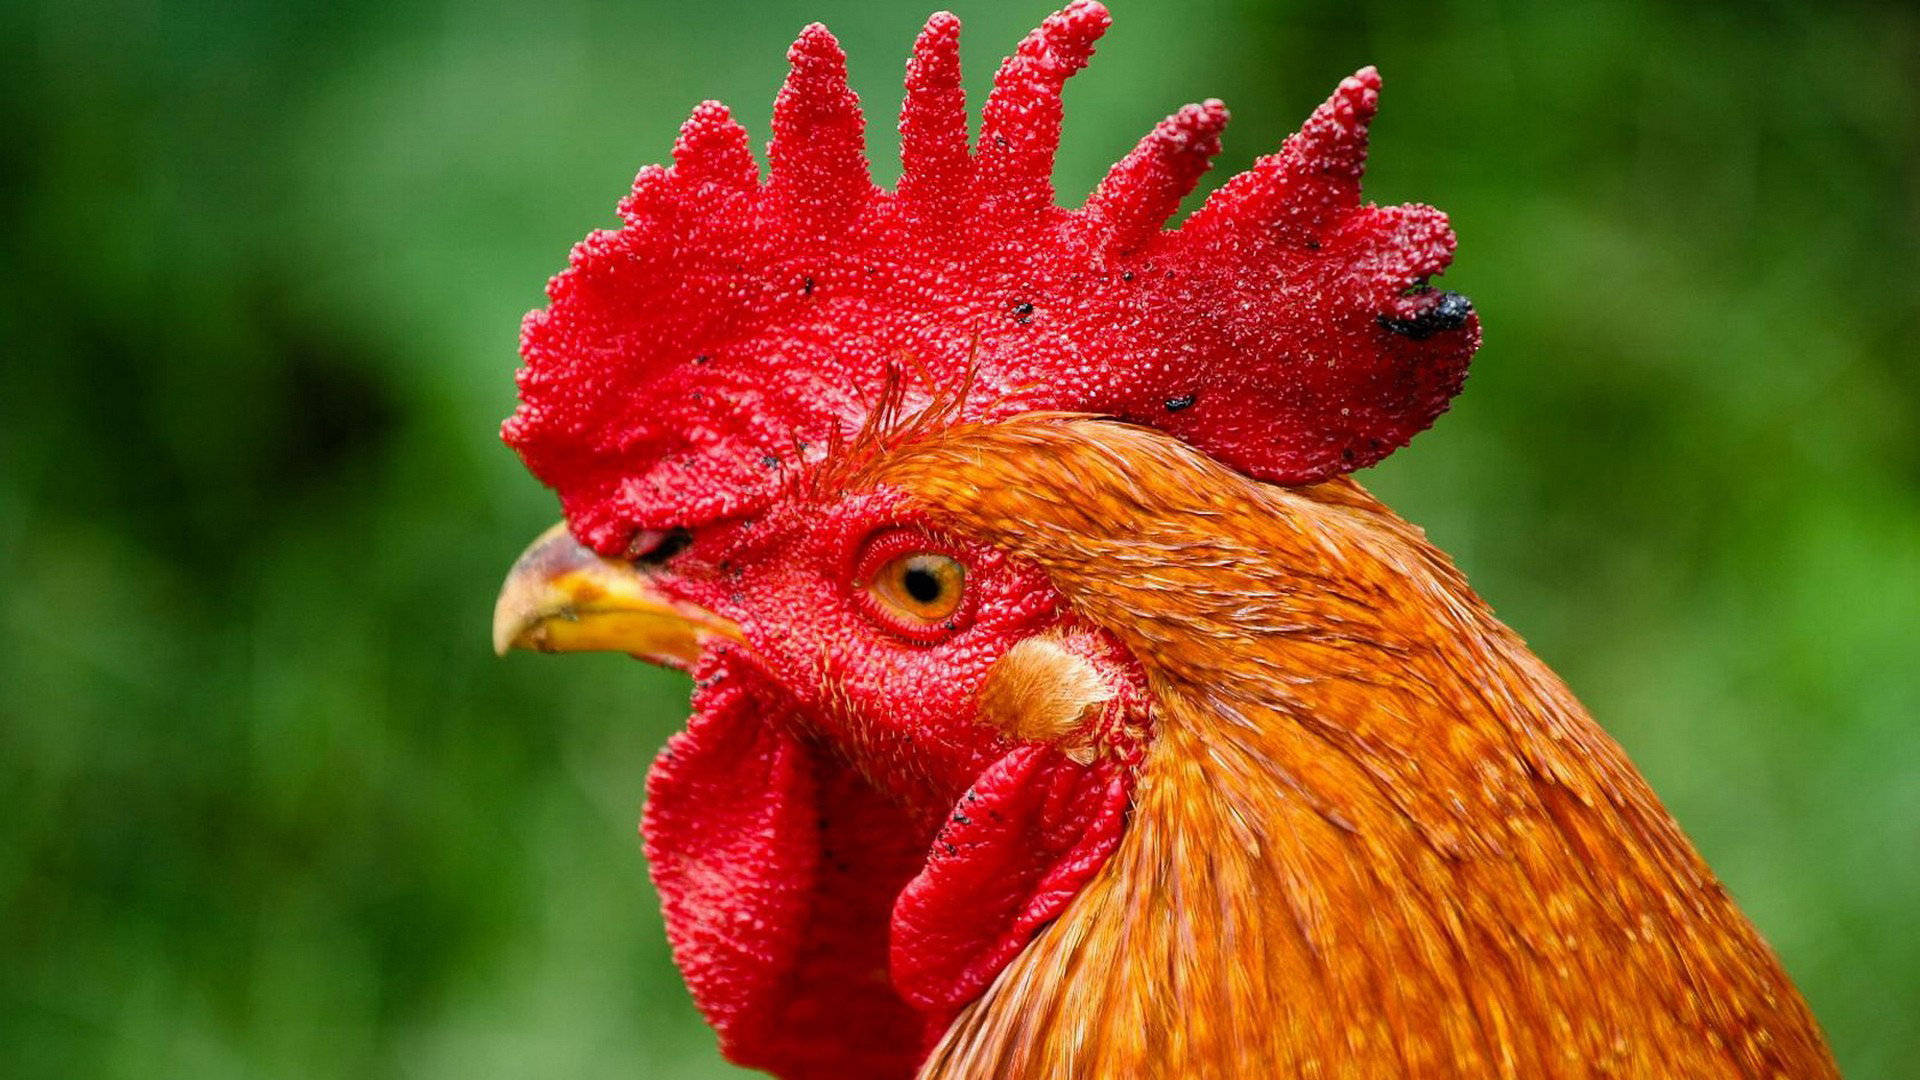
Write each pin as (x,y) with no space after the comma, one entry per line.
(732,325)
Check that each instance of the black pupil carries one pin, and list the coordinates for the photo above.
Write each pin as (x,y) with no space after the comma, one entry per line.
(922,584)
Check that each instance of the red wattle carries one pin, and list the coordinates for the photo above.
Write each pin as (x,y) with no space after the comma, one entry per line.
(1034,828)
(823,930)
(777,867)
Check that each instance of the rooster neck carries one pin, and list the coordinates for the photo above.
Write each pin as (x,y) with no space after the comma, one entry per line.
(1447,870)
(1374,835)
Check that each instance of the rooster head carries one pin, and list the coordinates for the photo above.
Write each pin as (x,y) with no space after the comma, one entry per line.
(908,751)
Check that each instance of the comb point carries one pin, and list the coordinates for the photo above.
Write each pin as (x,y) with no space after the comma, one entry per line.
(1142,191)
(934,162)
(818,155)
(1312,181)
(714,148)
(1020,126)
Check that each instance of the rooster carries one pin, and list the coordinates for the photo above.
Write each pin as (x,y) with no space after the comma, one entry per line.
(1061,708)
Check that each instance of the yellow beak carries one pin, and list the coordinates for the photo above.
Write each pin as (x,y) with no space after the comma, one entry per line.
(561,597)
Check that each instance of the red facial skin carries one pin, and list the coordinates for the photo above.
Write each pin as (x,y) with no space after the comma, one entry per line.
(846,854)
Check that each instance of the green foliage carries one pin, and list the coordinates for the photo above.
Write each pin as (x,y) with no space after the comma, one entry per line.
(271,809)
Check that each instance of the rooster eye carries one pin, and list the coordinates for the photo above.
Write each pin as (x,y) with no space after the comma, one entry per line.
(922,587)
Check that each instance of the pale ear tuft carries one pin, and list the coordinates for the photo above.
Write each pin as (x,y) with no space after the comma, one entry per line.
(1042,691)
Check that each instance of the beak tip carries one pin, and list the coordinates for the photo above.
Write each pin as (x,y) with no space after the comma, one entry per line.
(507,626)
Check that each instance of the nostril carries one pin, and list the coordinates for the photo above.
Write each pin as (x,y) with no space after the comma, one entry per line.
(651,547)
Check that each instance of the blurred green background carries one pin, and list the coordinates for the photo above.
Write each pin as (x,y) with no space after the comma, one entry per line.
(270,809)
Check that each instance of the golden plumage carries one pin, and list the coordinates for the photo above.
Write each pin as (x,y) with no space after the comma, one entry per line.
(1373,835)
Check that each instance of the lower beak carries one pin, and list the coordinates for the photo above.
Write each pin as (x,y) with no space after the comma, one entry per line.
(561,597)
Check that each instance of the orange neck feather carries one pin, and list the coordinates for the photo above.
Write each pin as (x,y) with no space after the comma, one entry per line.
(1375,836)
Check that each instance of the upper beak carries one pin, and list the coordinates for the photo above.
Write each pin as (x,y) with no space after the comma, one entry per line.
(561,597)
